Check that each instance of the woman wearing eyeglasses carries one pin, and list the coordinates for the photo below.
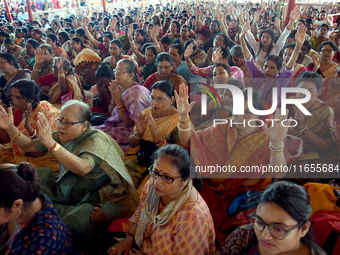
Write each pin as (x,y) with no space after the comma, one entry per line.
(27,105)
(326,67)
(155,127)
(128,99)
(164,72)
(281,225)
(91,168)
(172,216)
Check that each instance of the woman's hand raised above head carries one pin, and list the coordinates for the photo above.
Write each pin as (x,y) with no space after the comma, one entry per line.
(188,52)
(182,100)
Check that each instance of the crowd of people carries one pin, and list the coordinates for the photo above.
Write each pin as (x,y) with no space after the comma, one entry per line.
(102,129)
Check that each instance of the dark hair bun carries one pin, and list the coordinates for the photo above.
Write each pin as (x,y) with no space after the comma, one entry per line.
(26,171)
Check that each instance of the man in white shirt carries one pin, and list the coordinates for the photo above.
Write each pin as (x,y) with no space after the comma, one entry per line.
(34,13)
(22,15)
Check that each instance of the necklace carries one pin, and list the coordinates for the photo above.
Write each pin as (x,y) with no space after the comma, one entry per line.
(311,106)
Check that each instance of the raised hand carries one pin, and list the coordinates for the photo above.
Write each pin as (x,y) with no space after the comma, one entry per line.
(113,23)
(6,119)
(188,52)
(141,124)
(45,130)
(277,23)
(116,91)
(216,56)
(153,132)
(245,29)
(39,57)
(316,62)
(295,14)
(277,132)
(300,36)
(182,100)
(153,32)
(27,124)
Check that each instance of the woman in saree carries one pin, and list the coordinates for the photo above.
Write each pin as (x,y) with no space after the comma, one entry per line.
(284,208)
(234,145)
(44,66)
(91,168)
(26,103)
(116,51)
(330,94)
(325,66)
(164,72)
(27,57)
(128,99)
(184,224)
(318,38)
(61,85)
(65,42)
(86,62)
(12,48)
(52,40)
(318,131)
(11,73)
(154,127)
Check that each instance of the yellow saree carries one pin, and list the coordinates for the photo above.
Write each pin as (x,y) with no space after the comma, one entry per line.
(11,153)
(166,129)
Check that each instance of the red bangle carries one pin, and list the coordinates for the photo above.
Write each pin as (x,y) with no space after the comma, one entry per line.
(54,145)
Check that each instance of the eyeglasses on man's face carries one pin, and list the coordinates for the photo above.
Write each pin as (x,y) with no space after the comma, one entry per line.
(155,174)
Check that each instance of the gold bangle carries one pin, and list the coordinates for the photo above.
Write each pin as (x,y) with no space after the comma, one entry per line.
(16,138)
(60,154)
(183,129)
(135,136)
(56,148)
(119,107)
(31,136)
(183,122)
(34,69)
(157,144)
(61,75)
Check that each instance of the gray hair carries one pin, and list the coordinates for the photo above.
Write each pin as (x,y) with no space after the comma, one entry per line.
(130,67)
(67,64)
(47,46)
(236,51)
(83,110)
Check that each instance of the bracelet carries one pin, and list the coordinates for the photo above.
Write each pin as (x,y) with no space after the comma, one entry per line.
(130,234)
(182,129)
(34,69)
(276,149)
(304,129)
(17,137)
(135,136)
(277,152)
(61,75)
(159,144)
(26,66)
(183,121)
(121,106)
(54,145)
(60,154)
(31,136)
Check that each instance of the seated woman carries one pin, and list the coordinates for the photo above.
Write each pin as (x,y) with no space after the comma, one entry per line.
(31,224)
(12,48)
(317,39)
(164,72)
(325,66)
(11,73)
(116,51)
(80,33)
(267,79)
(149,60)
(91,168)
(86,62)
(27,105)
(318,131)
(171,208)
(235,145)
(197,54)
(285,209)
(37,34)
(27,57)
(52,40)
(220,55)
(155,127)
(61,85)
(128,99)
(65,42)
(288,50)
(44,67)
